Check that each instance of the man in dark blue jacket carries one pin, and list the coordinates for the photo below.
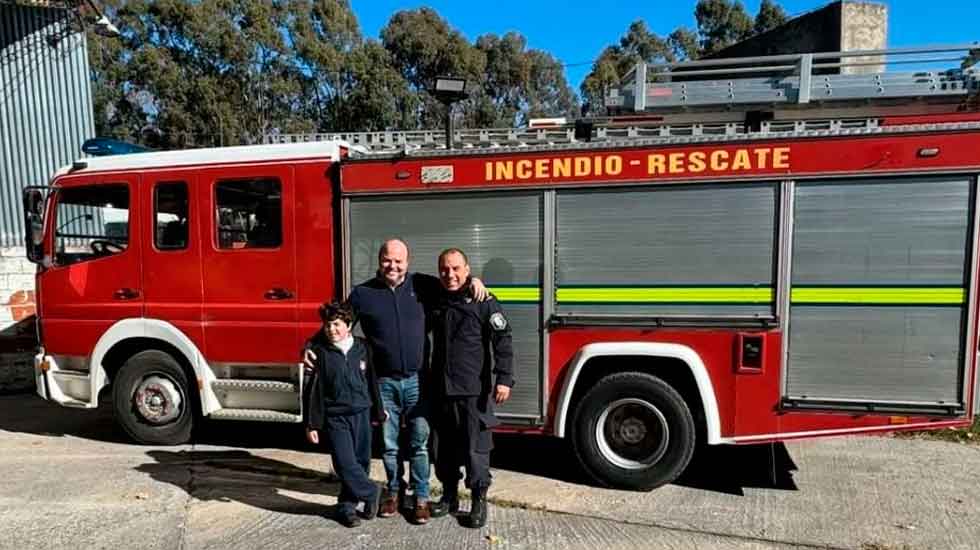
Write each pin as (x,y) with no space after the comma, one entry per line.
(392,309)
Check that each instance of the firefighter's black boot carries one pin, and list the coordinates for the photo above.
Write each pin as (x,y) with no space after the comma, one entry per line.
(448,504)
(478,508)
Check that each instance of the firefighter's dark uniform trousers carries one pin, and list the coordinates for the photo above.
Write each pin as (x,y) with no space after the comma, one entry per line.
(464,375)
(464,440)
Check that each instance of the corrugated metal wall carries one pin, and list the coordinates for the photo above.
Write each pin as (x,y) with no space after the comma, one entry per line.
(45,104)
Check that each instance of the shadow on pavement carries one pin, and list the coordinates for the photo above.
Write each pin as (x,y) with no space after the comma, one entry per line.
(28,413)
(730,469)
(240,476)
(725,469)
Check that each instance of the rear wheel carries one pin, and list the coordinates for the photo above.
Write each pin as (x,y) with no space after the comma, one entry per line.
(151,399)
(634,431)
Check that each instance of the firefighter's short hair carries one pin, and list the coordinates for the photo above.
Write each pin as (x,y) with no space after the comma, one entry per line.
(331,311)
(454,250)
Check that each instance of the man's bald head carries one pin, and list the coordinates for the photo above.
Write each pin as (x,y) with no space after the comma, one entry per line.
(393,261)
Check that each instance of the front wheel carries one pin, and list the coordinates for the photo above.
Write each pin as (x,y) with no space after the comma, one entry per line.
(150,399)
(633,431)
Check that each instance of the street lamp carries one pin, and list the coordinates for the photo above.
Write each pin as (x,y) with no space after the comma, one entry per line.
(449,90)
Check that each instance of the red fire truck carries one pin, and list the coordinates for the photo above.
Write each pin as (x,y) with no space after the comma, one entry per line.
(767,249)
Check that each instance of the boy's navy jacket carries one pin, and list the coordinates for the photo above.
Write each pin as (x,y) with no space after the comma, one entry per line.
(341,384)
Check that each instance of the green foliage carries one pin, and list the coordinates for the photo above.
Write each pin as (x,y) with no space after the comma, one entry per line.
(770,16)
(967,435)
(520,84)
(423,46)
(720,23)
(639,44)
(226,72)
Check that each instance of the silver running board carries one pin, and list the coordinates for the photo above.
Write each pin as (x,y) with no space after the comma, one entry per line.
(231,384)
(257,415)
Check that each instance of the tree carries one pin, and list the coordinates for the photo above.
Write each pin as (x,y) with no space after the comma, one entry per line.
(721,23)
(372,95)
(549,94)
(770,16)
(215,72)
(423,46)
(520,84)
(684,43)
(638,44)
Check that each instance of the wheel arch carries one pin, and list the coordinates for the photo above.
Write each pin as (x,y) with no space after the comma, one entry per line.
(130,336)
(678,365)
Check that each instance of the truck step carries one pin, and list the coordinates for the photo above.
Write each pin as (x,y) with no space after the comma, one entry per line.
(232,384)
(257,415)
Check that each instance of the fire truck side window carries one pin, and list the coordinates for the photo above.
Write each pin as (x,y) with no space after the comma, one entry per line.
(170,210)
(248,213)
(91,222)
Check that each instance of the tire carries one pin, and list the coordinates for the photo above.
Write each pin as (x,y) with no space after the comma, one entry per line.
(151,399)
(633,431)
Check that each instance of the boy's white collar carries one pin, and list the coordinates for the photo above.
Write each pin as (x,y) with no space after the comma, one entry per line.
(346,344)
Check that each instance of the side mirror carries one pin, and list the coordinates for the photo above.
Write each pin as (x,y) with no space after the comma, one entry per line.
(34,224)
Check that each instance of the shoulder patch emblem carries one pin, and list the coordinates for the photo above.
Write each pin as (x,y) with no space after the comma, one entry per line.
(498,321)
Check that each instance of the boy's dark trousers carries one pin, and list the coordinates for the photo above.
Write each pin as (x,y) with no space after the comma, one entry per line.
(350,442)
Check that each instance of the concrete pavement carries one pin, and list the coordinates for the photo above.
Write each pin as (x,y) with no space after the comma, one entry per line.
(70,479)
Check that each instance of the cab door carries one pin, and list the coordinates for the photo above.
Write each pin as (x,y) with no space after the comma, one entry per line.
(95,279)
(172,255)
(249,264)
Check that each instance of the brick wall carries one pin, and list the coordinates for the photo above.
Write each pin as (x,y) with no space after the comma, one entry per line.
(17,333)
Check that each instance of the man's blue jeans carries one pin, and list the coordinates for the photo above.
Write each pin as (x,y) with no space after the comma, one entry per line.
(401,402)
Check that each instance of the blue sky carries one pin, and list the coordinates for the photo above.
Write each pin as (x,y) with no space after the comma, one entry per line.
(576,31)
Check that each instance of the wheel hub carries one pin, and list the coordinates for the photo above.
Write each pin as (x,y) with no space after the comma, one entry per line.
(632,430)
(632,433)
(157,400)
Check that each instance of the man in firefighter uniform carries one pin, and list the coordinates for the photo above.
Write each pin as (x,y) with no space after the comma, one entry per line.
(466,383)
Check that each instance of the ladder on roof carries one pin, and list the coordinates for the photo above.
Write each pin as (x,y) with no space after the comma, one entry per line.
(676,102)
(796,79)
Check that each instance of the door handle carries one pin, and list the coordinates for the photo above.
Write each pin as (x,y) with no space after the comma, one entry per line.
(125,294)
(278,294)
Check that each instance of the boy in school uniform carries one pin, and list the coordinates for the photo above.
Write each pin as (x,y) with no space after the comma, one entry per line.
(344,401)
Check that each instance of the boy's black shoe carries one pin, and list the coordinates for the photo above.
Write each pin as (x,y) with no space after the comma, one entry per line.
(372,505)
(348,519)
(448,504)
(478,508)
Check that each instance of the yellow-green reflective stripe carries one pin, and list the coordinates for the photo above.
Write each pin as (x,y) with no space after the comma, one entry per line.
(877,295)
(517,294)
(666,295)
(735,295)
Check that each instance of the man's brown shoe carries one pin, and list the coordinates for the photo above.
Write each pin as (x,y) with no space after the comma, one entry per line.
(422,512)
(389,505)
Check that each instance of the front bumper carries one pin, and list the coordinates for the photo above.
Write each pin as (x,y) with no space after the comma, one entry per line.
(67,387)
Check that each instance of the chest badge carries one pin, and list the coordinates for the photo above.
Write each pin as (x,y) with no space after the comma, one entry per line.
(363,366)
